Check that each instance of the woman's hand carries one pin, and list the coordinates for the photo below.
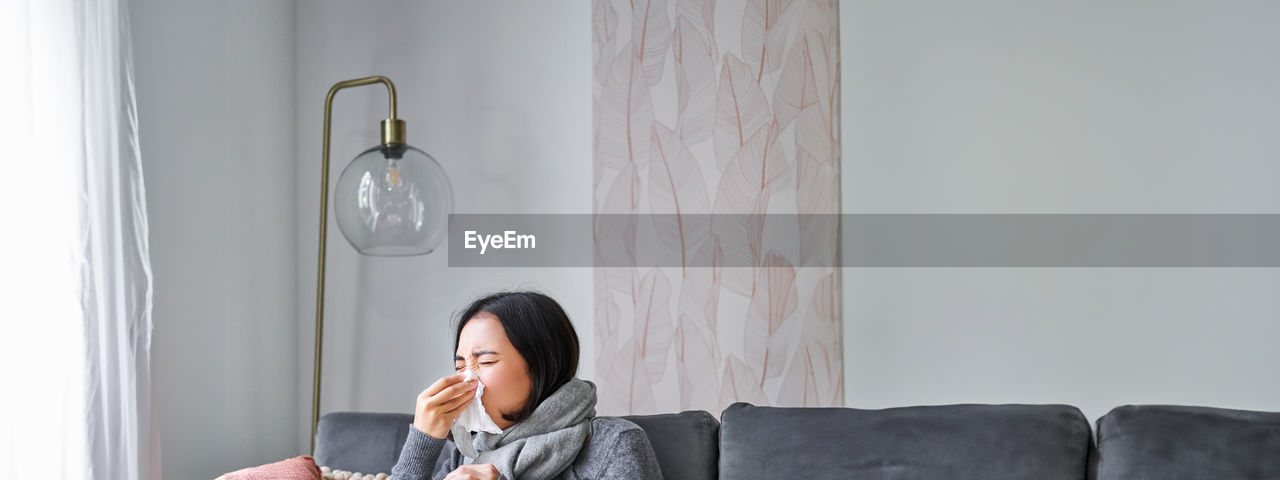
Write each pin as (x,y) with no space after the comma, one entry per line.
(481,471)
(441,403)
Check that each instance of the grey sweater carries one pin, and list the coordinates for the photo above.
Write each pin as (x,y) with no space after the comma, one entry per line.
(616,449)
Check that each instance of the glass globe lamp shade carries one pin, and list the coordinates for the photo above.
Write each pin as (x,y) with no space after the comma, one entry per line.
(393,201)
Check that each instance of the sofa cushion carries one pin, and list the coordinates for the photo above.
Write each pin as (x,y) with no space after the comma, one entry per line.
(1179,442)
(952,442)
(685,443)
(302,467)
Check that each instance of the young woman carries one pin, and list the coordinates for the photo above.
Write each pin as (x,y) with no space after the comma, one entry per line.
(523,348)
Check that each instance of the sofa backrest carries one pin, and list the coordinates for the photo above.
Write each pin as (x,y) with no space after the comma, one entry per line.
(361,442)
(952,442)
(685,443)
(1179,442)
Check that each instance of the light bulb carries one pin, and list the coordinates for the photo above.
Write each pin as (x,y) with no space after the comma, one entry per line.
(393,173)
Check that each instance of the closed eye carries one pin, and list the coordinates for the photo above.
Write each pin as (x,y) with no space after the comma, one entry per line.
(459,367)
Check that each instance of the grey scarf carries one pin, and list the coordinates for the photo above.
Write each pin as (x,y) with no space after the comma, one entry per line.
(541,446)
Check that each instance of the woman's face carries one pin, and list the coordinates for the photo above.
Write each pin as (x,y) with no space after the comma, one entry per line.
(483,346)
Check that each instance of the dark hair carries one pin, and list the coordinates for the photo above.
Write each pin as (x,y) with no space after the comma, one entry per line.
(540,331)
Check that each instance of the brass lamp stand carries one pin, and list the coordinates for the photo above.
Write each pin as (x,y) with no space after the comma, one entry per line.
(392,200)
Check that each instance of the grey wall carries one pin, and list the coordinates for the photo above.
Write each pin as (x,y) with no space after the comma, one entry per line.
(1061,107)
(216,123)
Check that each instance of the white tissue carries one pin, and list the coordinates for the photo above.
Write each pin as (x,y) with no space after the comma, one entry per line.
(474,418)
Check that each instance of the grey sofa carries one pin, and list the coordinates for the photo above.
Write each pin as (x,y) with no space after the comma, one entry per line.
(952,442)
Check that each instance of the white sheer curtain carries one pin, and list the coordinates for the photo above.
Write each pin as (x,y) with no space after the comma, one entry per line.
(75,280)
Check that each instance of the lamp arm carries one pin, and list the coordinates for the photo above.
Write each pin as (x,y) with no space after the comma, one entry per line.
(392,134)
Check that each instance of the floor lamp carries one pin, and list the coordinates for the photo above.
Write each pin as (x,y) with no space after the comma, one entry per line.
(392,200)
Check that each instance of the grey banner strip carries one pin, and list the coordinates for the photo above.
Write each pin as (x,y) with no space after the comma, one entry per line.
(865,240)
